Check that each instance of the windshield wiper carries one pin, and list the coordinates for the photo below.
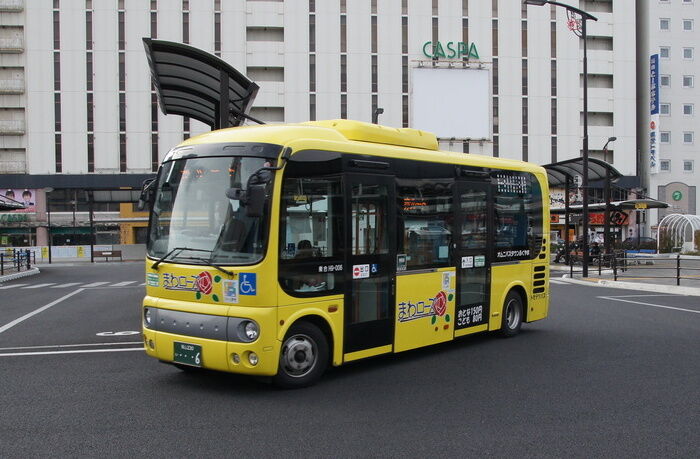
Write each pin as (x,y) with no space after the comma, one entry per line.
(209,263)
(178,250)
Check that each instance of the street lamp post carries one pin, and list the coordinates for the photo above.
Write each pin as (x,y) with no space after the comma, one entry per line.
(584,180)
(606,222)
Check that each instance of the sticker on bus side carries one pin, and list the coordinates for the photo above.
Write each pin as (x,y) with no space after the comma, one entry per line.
(467,262)
(152,279)
(230,291)
(360,271)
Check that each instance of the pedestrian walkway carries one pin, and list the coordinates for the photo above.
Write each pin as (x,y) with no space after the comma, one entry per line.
(45,285)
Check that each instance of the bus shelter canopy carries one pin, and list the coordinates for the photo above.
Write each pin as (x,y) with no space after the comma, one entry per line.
(631,204)
(191,82)
(558,172)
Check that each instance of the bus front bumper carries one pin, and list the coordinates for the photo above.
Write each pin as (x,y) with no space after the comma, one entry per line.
(202,340)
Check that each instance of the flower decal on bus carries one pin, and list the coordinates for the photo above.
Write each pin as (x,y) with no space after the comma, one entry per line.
(204,282)
(205,285)
(440,303)
(439,307)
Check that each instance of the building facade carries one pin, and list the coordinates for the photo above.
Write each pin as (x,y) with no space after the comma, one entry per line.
(673,31)
(79,110)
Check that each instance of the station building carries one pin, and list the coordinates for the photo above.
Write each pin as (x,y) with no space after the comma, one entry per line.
(491,77)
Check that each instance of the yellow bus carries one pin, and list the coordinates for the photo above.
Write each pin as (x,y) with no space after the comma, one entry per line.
(279,250)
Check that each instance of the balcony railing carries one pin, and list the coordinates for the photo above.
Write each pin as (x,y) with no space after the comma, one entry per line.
(11,45)
(12,127)
(11,6)
(13,86)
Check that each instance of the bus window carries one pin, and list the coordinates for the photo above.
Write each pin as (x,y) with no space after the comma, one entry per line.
(518,216)
(425,222)
(310,235)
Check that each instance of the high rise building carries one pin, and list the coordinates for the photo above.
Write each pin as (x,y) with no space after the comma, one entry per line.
(88,117)
(672,28)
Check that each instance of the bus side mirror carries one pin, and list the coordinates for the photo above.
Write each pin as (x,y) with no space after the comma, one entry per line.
(255,200)
(146,193)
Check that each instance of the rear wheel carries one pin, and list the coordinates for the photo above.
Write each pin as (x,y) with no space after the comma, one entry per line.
(303,357)
(512,314)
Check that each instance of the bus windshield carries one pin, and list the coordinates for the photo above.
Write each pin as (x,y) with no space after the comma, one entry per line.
(192,213)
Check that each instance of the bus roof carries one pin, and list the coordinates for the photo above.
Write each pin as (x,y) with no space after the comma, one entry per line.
(347,136)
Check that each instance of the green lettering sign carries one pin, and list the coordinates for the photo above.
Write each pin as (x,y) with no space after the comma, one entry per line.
(455,50)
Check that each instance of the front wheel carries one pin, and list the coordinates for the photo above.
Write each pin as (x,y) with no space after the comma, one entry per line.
(512,314)
(303,357)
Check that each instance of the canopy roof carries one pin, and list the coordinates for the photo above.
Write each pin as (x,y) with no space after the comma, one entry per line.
(194,83)
(559,171)
(10,204)
(614,205)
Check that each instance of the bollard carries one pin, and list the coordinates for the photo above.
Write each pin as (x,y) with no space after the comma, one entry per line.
(678,269)
(28,260)
(2,264)
(614,266)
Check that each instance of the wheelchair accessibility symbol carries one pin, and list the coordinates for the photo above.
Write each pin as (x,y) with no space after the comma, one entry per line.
(247,284)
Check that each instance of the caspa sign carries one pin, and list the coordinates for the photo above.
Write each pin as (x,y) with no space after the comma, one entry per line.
(451,50)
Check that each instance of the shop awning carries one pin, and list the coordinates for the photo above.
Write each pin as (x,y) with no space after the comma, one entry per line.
(194,83)
(559,171)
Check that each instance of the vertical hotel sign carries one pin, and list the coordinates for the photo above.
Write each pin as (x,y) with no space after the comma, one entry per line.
(654,114)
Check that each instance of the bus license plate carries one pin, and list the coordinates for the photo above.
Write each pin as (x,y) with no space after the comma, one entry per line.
(188,354)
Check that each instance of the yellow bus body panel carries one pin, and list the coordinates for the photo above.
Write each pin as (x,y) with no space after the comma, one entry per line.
(425,308)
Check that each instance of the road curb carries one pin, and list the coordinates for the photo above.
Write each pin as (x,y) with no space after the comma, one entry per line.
(656,288)
(19,275)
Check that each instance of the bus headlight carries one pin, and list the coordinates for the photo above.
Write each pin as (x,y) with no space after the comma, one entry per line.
(251,330)
(147,317)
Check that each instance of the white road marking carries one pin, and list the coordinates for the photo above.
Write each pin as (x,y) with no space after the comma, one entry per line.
(69,284)
(141,285)
(122,284)
(37,311)
(13,286)
(648,304)
(40,285)
(83,351)
(95,284)
(60,346)
(638,296)
(552,281)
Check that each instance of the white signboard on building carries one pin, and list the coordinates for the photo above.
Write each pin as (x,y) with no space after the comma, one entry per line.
(451,102)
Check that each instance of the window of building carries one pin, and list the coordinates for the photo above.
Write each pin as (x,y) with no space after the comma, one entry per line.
(665,52)
(688,81)
(687,1)
(687,53)
(665,137)
(688,109)
(664,23)
(665,165)
(665,109)
(666,81)
(688,137)
(687,24)
(688,165)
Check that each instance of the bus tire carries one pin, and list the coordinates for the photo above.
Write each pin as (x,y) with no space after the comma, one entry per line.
(512,314)
(303,356)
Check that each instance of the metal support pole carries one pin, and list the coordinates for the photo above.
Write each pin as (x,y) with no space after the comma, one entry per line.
(48,214)
(606,230)
(678,269)
(567,257)
(92,229)
(223,109)
(584,180)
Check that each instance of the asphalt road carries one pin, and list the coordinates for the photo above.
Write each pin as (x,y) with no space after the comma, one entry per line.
(614,376)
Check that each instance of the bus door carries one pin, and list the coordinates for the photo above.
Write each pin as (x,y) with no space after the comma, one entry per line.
(474,236)
(369,299)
